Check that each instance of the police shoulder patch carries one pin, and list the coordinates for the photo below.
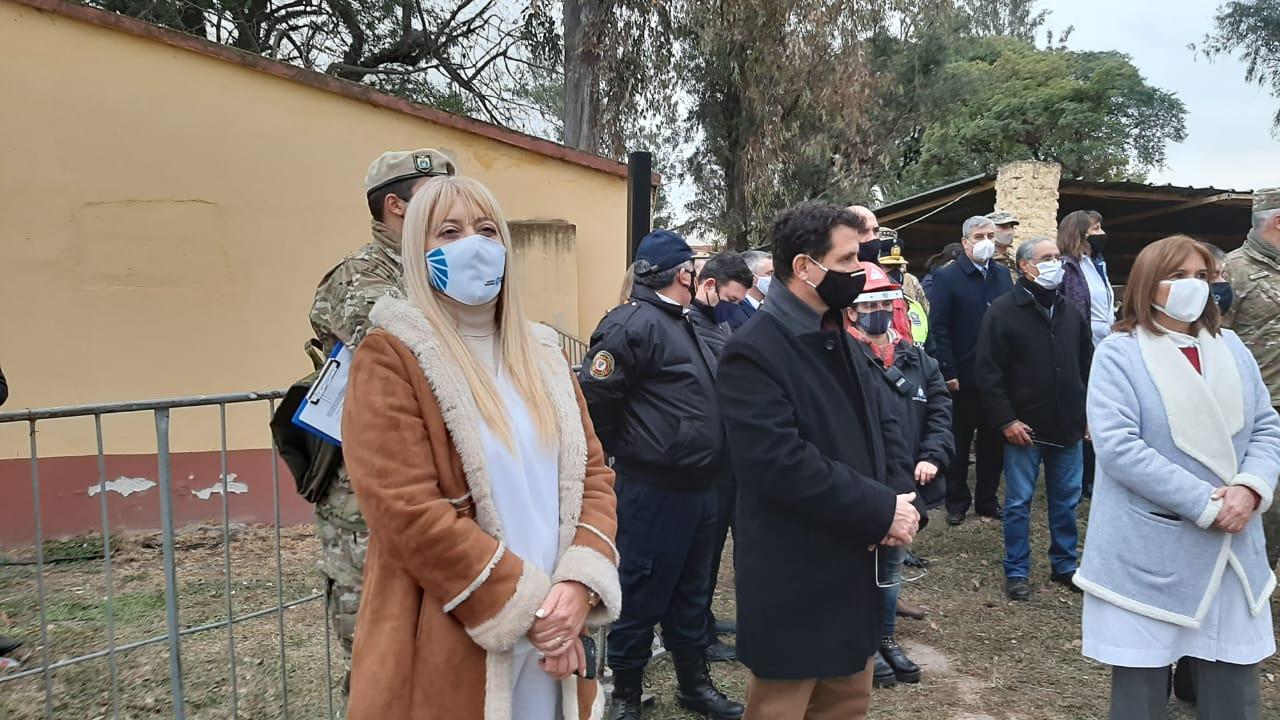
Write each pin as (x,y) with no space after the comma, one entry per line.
(602,365)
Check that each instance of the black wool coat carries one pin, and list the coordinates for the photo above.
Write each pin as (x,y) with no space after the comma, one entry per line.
(1034,368)
(815,455)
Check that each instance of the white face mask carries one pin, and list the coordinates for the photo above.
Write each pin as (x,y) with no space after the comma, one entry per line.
(1187,298)
(1050,276)
(763,283)
(984,250)
(469,270)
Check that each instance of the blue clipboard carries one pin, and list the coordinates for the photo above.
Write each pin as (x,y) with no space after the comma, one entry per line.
(320,412)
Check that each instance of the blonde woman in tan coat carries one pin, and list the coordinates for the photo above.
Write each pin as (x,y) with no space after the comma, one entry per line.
(490,508)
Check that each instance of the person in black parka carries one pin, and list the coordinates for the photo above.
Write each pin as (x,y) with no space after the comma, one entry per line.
(813,452)
(723,281)
(649,383)
(919,396)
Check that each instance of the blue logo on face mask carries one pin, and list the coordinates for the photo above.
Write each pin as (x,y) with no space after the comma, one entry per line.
(438,266)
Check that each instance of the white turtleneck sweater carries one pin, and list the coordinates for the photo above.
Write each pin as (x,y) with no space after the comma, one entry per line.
(525,477)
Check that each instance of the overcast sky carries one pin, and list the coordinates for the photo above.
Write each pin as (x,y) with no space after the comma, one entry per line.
(1229,142)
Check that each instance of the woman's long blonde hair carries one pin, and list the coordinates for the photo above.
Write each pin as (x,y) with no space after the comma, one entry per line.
(517,348)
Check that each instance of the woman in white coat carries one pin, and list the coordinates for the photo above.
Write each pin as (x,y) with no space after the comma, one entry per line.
(1188,450)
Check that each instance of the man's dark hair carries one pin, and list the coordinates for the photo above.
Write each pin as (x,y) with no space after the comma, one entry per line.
(402,189)
(727,267)
(805,229)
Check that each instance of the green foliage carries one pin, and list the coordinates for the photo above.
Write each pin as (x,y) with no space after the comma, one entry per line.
(1251,28)
(1006,100)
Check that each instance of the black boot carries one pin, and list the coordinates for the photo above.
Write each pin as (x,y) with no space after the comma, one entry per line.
(628,689)
(904,669)
(8,645)
(697,694)
(883,676)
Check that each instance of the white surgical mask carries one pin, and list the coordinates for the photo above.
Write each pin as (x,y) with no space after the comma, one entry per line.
(1187,298)
(469,270)
(984,250)
(1050,276)
(763,283)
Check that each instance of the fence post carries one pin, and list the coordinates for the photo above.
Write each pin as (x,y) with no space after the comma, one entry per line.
(170,564)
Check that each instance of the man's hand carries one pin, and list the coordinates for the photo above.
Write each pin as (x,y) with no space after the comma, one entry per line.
(1017,433)
(565,664)
(560,619)
(926,472)
(1238,506)
(906,522)
(953,386)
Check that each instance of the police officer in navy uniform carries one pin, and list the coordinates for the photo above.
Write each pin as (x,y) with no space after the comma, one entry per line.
(648,382)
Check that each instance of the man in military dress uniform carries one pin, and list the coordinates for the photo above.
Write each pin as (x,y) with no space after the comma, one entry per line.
(1253,270)
(340,314)
(648,379)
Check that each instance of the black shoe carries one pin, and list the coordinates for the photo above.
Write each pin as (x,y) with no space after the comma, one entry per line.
(8,645)
(997,514)
(628,694)
(954,518)
(1064,579)
(726,627)
(884,676)
(913,560)
(1184,680)
(904,669)
(1017,589)
(695,692)
(720,652)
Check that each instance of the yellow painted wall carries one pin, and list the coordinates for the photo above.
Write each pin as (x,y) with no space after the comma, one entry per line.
(165,217)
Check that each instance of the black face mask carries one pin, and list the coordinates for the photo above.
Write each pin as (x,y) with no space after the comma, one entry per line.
(896,276)
(1097,243)
(869,251)
(1222,294)
(839,289)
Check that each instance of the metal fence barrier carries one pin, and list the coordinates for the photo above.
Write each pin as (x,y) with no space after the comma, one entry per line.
(161,410)
(574,349)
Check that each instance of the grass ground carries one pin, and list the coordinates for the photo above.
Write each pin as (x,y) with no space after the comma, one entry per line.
(983,657)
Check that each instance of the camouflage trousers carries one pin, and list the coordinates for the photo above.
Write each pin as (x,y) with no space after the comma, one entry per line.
(344,539)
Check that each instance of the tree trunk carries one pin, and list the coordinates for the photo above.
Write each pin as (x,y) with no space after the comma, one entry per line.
(582,74)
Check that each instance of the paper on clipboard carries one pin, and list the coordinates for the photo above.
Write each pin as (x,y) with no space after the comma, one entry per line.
(321,410)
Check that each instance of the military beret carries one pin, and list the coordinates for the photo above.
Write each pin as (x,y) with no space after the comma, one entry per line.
(661,250)
(402,164)
(1266,199)
(1000,217)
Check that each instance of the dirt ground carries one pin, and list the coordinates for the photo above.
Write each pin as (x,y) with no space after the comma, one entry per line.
(983,657)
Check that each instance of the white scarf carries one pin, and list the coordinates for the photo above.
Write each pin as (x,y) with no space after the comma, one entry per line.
(1206,409)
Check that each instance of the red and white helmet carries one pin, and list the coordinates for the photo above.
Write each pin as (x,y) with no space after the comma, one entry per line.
(879,285)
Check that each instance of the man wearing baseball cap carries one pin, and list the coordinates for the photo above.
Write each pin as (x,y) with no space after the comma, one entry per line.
(340,314)
(649,383)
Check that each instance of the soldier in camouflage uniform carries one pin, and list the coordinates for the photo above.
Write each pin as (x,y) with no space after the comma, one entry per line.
(1253,270)
(340,313)
(1006,235)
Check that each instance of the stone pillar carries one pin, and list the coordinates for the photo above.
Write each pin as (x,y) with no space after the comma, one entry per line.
(1030,191)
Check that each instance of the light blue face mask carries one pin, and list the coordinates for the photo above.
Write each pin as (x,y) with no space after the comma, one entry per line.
(469,270)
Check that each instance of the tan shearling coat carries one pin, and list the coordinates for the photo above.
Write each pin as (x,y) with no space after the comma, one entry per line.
(444,600)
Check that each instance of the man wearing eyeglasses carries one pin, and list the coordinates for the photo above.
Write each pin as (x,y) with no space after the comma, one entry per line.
(958,300)
(1033,366)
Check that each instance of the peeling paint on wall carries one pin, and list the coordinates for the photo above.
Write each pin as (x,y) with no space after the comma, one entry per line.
(216,488)
(126,486)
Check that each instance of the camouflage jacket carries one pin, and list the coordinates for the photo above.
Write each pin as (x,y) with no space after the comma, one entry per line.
(348,293)
(912,289)
(340,313)
(1254,272)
